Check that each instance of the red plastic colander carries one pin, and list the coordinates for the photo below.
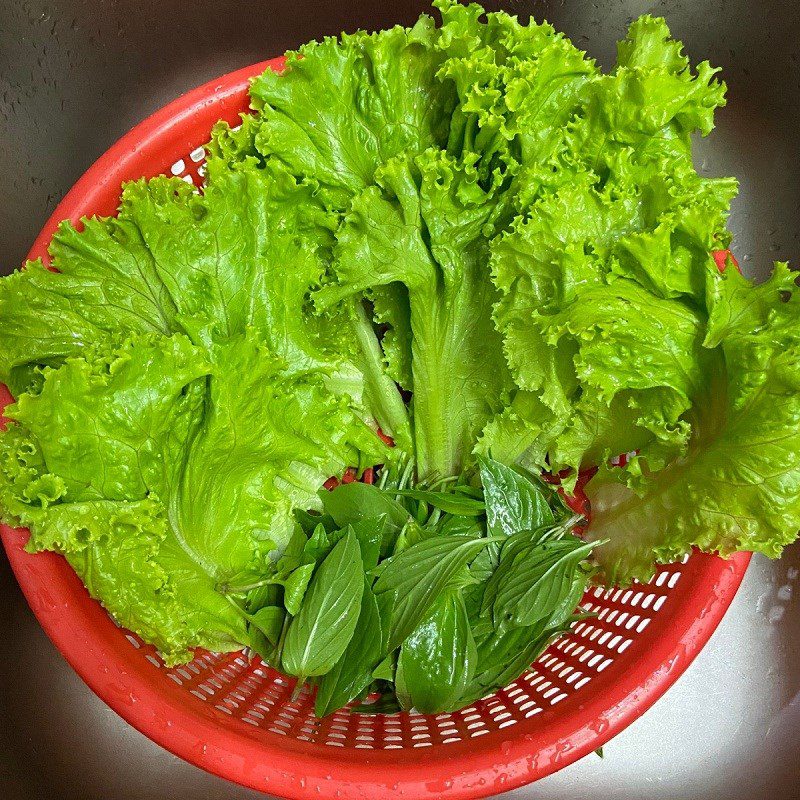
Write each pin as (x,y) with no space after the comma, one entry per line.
(236,718)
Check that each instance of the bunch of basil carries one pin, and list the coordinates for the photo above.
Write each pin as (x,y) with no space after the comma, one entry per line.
(418,598)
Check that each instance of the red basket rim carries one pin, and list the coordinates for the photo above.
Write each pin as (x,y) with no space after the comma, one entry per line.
(197,732)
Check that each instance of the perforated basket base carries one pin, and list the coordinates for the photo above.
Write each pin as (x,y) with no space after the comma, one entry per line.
(235,717)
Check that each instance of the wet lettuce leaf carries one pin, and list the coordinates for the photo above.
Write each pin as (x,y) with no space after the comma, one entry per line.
(421,229)
(181,377)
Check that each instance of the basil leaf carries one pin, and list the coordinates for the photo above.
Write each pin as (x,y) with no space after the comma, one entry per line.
(352,673)
(449,502)
(565,609)
(513,502)
(350,503)
(470,491)
(386,605)
(437,661)
(531,584)
(295,587)
(263,628)
(323,627)
(267,595)
(371,534)
(260,645)
(452,525)
(419,575)
(502,657)
(481,625)
(269,620)
(385,670)
(308,521)
(317,546)
(412,533)
(292,555)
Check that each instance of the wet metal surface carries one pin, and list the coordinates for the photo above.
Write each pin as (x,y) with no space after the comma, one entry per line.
(74,76)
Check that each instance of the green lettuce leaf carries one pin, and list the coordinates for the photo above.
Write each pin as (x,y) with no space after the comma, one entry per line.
(616,225)
(518,85)
(173,369)
(88,467)
(738,487)
(457,372)
(267,441)
(104,426)
(210,265)
(342,107)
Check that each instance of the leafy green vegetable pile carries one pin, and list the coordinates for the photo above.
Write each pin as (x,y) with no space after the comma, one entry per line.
(468,237)
(433,599)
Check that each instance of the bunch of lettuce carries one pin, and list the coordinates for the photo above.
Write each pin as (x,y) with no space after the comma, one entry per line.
(465,236)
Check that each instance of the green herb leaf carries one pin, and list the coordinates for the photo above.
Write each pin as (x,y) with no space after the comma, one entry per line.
(371,534)
(269,620)
(353,672)
(385,704)
(295,587)
(566,608)
(386,669)
(323,627)
(419,575)
(449,502)
(351,503)
(317,546)
(437,661)
(513,502)
(532,581)
(504,656)
(308,521)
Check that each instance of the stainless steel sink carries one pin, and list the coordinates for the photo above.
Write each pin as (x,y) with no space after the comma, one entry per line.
(76,75)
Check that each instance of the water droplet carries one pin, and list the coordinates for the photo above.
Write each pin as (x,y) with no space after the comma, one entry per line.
(775,614)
